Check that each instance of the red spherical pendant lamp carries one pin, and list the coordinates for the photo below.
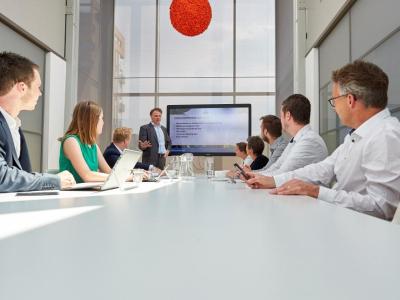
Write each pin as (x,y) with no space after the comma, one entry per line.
(190,17)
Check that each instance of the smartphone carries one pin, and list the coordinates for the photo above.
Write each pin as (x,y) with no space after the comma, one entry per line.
(241,171)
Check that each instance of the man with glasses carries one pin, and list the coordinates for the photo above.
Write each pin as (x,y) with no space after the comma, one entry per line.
(366,167)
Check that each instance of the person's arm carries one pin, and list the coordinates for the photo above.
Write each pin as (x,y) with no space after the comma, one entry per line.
(73,152)
(13,179)
(103,165)
(381,168)
(321,173)
(305,152)
(314,174)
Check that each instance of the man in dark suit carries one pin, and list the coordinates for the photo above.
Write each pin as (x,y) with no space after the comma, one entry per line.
(154,140)
(121,140)
(20,90)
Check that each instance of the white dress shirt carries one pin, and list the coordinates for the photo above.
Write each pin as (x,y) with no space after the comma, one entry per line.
(13,125)
(160,138)
(247,161)
(305,148)
(366,168)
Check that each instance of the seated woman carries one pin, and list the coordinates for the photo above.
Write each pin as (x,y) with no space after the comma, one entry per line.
(255,148)
(240,151)
(79,153)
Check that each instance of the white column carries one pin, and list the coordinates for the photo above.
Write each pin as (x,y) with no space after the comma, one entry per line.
(312,86)
(54,105)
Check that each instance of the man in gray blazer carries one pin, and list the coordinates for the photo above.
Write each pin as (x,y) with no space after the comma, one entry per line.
(154,140)
(20,90)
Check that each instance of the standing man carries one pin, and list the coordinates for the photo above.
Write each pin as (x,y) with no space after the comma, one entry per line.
(365,169)
(154,140)
(20,90)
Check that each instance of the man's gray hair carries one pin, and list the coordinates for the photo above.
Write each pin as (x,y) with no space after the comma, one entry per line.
(365,81)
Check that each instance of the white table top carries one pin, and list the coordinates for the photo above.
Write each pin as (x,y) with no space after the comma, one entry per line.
(194,240)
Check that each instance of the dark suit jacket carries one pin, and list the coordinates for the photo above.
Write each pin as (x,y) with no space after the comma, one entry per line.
(11,156)
(111,155)
(15,173)
(259,163)
(148,133)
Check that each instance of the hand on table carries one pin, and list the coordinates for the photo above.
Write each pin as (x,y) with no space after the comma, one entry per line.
(297,187)
(66,179)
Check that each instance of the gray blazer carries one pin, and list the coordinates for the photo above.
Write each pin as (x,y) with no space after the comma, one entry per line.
(148,133)
(15,175)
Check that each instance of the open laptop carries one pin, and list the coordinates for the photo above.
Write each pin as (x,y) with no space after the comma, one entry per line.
(118,175)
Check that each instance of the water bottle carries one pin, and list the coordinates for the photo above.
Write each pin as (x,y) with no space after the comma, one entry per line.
(209,167)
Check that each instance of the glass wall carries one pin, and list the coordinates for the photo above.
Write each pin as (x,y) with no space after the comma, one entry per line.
(355,37)
(233,61)
(32,121)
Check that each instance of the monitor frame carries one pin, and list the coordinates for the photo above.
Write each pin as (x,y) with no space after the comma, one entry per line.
(188,106)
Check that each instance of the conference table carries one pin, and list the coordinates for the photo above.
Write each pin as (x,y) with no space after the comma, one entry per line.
(193,239)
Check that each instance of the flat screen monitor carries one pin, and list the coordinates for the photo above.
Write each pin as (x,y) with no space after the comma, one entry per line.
(208,129)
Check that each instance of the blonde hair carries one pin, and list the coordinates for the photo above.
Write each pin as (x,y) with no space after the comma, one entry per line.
(121,134)
(84,122)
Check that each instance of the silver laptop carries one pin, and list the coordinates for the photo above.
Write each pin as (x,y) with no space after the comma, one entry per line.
(118,175)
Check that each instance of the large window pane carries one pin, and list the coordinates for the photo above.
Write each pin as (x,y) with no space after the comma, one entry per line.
(134,46)
(182,85)
(266,84)
(164,101)
(132,112)
(255,38)
(260,106)
(207,55)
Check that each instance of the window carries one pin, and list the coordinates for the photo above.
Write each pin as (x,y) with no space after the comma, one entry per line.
(233,61)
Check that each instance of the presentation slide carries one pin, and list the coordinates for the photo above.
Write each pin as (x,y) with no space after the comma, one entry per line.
(208,130)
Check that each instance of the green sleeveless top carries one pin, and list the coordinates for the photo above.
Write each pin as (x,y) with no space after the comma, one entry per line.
(89,153)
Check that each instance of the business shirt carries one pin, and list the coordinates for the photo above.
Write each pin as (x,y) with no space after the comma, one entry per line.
(305,148)
(366,168)
(13,125)
(247,161)
(275,150)
(160,138)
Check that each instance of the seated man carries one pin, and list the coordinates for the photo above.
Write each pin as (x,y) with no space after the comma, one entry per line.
(255,148)
(366,167)
(271,132)
(306,146)
(121,140)
(19,90)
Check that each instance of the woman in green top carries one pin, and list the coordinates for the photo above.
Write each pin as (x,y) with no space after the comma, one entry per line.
(79,152)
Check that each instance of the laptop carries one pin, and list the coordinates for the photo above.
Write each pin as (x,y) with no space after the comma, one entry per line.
(116,178)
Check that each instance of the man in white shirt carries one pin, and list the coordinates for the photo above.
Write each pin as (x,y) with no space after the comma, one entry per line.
(306,146)
(19,90)
(366,167)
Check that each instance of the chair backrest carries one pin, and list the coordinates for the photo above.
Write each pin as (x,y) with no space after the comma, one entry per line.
(396,218)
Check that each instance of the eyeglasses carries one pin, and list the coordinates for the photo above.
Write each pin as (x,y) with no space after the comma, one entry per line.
(332,103)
